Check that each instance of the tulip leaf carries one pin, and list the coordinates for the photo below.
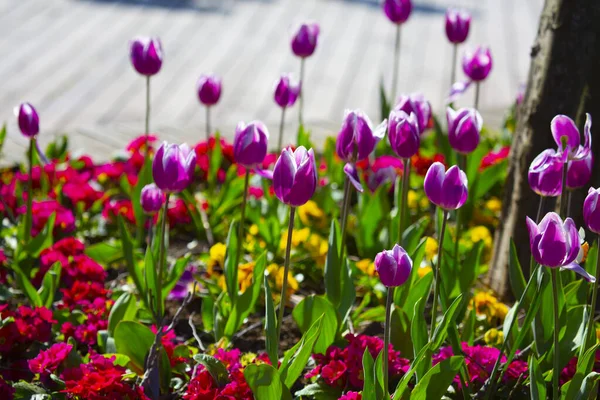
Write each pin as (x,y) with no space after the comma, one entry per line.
(174,275)
(401,331)
(192,207)
(231,269)
(105,253)
(25,284)
(449,318)
(319,391)
(50,284)
(43,240)
(585,365)
(515,272)
(588,386)
(333,266)
(270,324)
(423,359)
(295,359)
(488,178)
(216,158)
(434,384)
(266,382)
(538,384)
(130,258)
(369,391)
(144,178)
(215,368)
(124,309)
(314,308)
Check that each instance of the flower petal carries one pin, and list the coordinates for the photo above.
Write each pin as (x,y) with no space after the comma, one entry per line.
(579,270)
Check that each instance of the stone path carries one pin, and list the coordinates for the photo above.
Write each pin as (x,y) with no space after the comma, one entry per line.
(70,59)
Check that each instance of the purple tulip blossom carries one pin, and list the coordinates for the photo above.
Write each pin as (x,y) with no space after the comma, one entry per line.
(579,172)
(563,129)
(304,41)
(29,121)
(357,139)
(146,55)
(545,173)
(457,25)
(397,11)
(173,167)
(477,63)
(393,266)
(403,133)
(591,210)
(286,91)
(446,189)
(417,104)
(250,143)
(209,89)
(464,128)
(151,198)
(295,176)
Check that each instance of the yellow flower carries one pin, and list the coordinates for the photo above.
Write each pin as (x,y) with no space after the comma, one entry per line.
(317,246)
(367,266)
(487,304)
(311,215)
(276,274)
(299,236)
(245,274)
(216,257)
(431,248)
(480,233)
(493,337)
(494,205)
(412,199)
(422,271)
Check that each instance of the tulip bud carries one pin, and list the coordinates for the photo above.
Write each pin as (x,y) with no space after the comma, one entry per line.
(173,167)
(403,133)
(393,266)
(545,173)
(295,176)
(591,210)
(397,11)
(304,41)
(152,198)
(209,89)
(146,55)
(457,25)
(579,172)
(286,91)
(477,63)
(446,189)
(29,121)
(567,138)
(464,127)
(416,103)
(250,143)
(356,140)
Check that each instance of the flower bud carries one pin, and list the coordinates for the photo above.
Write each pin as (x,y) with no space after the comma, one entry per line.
(417,104)
(477,63)
(146,55)
(357,139)
(152,198)
(304,41)
(173,167)
(457,25)
(446,189)
(286,91)
(464,127)
(393,266)
(295,176)
(397,11)
(403,133)
(591,210)
(545,173)
(209,89)
(250,143)
(29,121)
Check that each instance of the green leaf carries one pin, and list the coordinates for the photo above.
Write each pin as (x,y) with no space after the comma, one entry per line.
(401,331)
(42,241)
(105,253)
(124,309)
(423,359)
(319,392)
(214,367)
(420,289)
(270,324)
(231,270)
(247,300)
(295,359)
(266,383)
(489,177)
(2,137)
(441,331)
(442,142)
(469,269)
(216,158)
(538,384)
(348,293)
(419,327)
(130,259)
(515,273)
(303,138)
(174,275)
(332,274)
(144,178)
(151,274)
(436,381)
(314,308)
(192,206)
(588,386)
(134,340)
(585,365)
(385,106)
(369,390)
(413,235)
(25,284)
(49,285)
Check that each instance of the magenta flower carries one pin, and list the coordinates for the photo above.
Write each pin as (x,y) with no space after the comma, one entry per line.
(417,104)
(146,55)
(555,244)
(464,127)
(397,11)
(477,63)
(209,89)
(250,143)
(579,172)
(545,173)
(295,176)
(286,91)
(152,198)
(403,133)
(563,128)
(352,174)
(173,167)
(304,41)
(457,25)
(393,266)
(446,189)
(591,210)
(48,361)
(29,121)
(357,139)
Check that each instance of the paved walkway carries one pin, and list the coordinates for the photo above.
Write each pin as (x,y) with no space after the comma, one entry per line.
(70,59)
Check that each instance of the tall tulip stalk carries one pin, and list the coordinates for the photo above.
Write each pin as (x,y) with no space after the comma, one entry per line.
(397,11)
(286,93)
(477,64)
(304,43)
(294,183)
(147,58)
(457,30)
(591,217)
(394,268)
(448,190)
(208,89)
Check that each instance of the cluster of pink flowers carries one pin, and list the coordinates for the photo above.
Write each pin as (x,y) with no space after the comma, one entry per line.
(569,370)
(343,367)
(48,361)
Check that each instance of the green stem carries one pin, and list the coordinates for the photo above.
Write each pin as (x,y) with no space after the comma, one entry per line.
(208,130)
(436,281)
(28,215)
(161,260)
(301,96)
(453,69)
(238,253)
(345,212)
(462,164)
(286,268)
(477,84)
(281,126)
(555,371)
(386,338)
(563,193)
(147,125)
(404,205)
(590,329)
(395,66)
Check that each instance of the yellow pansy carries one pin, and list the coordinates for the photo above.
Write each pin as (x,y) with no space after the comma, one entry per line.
(311,215)
(417,200)
(299,236)
(216,257)
(487,304)
(276,273)
(480,233)
(431,248)
(493,337)
(494,205)
(422,271)
(317,246)
(244,277)
(367,266)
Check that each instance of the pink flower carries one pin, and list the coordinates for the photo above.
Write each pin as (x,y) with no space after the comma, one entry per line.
(48,361)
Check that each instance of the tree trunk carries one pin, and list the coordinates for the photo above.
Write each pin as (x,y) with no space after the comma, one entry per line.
(562,65)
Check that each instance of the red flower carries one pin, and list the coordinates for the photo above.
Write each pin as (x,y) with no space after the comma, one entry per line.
(42,210)
(333,373)
(49,360)
(123,208)
(494,157)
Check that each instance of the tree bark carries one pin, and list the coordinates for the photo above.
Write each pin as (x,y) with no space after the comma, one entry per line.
(562,67)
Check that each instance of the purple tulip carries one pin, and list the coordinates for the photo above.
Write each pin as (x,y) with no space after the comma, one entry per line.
(351,172)
(579,172)
(403,133)
(545,173)
(556,244)
(295,176)
(415,103)
(591,211)
(357,139)
(446,189)
(152,198)
(304,41)
(173,167)
(457,25)
(29,121)
(393,266)
(146,55)
(397,11)
(464,127)
(250,143)
(477,63)
(563,129)
(184,285)
(209,89)
(286,91)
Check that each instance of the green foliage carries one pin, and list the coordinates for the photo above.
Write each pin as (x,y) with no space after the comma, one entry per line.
(315,308)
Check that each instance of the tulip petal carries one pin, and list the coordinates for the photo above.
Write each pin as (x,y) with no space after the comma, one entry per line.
(433,182)
(573,242)
(284,174)
(579,270)
(552,245)
(352,174)
(453,190)
(379,131)
(563,126)
(457,89)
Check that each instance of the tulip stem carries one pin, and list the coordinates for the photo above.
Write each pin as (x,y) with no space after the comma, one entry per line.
(436,281)
(345,211)
(396,65)
(462,164)
(404,210)
(386,338)
(281,126)
(555,371)
(161,260)
(147,126)
(238,253)
(453,69)
(28,215)
(590,329)
(286,268)
(563,193)
(301,94)
(477,84)
(208,130)
(569,195)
